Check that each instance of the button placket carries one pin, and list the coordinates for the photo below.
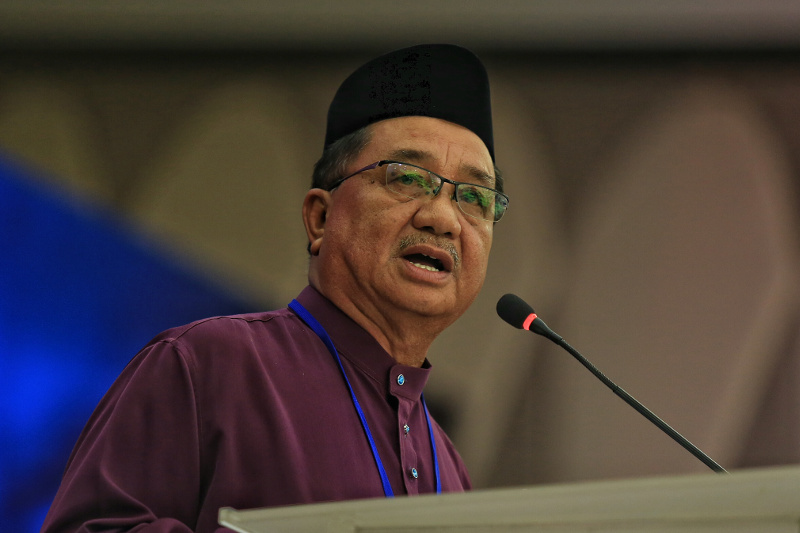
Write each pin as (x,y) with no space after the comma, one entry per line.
(415,467)
(408,445)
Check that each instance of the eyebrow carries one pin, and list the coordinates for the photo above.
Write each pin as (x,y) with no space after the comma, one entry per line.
(422,157)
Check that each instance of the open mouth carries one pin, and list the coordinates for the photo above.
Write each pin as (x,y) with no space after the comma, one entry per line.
(425,262)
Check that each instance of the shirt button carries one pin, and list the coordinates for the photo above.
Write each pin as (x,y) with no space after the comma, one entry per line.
(414,473)
(406,428)
(401,379)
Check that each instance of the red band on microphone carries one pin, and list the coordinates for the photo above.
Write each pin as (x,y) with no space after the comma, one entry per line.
(529,321)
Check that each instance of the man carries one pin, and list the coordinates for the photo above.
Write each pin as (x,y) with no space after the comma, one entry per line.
(322,400)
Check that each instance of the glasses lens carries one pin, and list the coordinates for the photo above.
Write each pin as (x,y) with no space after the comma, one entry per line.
(474,200)
(500,206)
(409,181)
(480,202)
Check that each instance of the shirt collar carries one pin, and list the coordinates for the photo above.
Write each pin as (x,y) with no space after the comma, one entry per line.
(359,347)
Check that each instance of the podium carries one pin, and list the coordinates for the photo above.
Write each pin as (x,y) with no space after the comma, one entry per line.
(751,501)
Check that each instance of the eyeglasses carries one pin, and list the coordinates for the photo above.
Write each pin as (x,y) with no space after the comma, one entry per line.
(415,182)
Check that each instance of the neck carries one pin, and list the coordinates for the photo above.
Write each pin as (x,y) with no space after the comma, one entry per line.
(404,335)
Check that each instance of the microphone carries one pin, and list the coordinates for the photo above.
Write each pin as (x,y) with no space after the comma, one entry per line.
(519,314)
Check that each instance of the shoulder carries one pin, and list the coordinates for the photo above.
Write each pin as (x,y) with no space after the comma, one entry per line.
(228,328)
(230,336)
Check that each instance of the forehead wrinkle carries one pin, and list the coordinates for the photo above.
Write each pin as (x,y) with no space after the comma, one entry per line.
(423,157)
(411,155)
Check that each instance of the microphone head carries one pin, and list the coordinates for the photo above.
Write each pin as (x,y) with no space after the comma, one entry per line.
(514,310)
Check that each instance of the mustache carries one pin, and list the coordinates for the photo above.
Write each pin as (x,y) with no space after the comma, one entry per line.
(432,240)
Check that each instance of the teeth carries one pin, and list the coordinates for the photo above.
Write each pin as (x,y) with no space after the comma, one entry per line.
(425,267)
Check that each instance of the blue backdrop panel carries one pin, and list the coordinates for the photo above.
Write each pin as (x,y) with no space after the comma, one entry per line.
(79,296)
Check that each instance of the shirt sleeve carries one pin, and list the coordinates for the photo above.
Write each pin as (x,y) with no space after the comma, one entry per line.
(136,466)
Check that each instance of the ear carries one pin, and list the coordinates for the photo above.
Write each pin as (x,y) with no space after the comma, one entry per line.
(315,210)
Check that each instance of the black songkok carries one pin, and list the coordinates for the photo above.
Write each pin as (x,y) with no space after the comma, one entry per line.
(432,80)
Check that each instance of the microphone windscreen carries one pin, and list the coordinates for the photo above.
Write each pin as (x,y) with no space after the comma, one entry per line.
(514,310)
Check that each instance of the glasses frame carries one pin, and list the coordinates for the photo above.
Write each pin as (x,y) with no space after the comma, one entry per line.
(436,192)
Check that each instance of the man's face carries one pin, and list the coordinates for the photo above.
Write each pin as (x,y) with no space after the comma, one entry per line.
(390,254)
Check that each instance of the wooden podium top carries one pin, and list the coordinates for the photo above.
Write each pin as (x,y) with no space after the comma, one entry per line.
(750,501)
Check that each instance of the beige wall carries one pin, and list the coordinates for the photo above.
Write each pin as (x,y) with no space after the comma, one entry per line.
(653,223)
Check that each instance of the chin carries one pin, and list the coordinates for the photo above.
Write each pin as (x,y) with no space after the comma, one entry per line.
(431,305)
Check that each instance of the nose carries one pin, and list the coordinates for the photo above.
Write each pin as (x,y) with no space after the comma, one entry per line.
(440,214)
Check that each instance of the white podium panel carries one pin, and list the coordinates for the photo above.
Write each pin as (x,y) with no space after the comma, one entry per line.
(754,501)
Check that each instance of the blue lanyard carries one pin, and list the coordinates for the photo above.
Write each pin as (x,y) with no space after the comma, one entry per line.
(309,319)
